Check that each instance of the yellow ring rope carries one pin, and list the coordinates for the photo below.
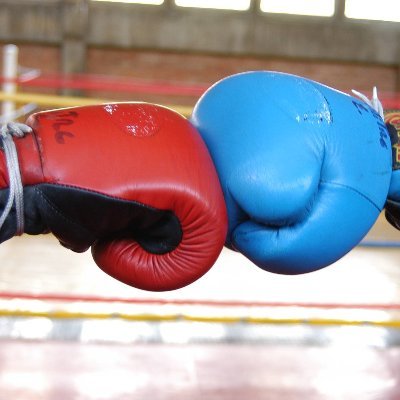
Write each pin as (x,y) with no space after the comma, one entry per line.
(61,314)
(44,100)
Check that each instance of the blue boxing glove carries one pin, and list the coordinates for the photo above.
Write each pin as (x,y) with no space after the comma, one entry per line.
(305,169)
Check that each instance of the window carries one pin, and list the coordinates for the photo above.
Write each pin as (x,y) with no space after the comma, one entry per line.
(383,10)
(155,2)
(240,5)
(323,8)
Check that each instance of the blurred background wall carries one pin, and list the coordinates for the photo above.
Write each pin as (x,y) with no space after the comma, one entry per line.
(168,42)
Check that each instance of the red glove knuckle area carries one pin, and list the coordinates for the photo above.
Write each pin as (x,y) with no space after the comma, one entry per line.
(199,245)
(134,181)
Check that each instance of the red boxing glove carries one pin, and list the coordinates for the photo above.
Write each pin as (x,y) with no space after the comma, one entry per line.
(134,181)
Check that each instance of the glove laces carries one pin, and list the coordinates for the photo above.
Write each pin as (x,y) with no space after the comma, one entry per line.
(16,192)
(374,102)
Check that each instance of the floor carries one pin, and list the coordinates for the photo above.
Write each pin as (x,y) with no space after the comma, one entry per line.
(66,370)
(68,331)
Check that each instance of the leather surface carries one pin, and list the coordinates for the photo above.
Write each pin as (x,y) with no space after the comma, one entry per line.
(305,169)
(136,152)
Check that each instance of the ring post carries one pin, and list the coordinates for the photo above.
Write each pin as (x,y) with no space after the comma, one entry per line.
(10,71)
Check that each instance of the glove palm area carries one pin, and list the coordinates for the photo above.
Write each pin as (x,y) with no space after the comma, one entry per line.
(133,181)
(305,169)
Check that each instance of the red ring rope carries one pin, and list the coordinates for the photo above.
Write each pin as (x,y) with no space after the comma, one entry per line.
(194,302)
(97,82)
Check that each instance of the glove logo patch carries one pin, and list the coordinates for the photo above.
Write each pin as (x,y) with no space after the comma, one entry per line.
(137,120)
(392,119)
(61,121)
(383,133)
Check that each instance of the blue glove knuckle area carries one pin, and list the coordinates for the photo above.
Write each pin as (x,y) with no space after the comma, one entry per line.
(278,197)
(331,229)
(305,169)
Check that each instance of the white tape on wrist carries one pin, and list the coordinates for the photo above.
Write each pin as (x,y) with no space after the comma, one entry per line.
(374,102)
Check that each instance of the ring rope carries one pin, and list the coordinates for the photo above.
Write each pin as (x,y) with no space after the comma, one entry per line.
(104,83)
(64,315)
(50,297)
(70,101)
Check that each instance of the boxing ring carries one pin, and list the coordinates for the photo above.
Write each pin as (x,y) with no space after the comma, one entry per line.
(69,331)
